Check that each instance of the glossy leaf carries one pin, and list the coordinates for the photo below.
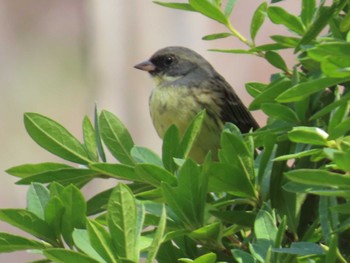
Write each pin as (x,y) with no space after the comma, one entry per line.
(217,36)
(286,41)
(304,89)
(101,241)
(74,215)
(32,169)
(191,134)
(276,60)
(301,249)
(90,139)
(318,25)
(61,255)
(280,112)
(319,178)
(209,9)
(53,137)
(62,176)
(271,92)
(145,155)
(82,242)
(11,243)
(307,11)
(229,178)
(279,15)
(116,137)
(37,198)
(258,19)
(180,6)
(171,142)
(28,222)
(308,135)
(158,238)
(121,220)
(187,200)
(155,175)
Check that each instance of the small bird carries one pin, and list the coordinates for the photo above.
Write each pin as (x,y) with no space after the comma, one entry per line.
(184,84)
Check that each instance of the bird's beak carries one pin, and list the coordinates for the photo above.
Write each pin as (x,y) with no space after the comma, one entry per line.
(146,66)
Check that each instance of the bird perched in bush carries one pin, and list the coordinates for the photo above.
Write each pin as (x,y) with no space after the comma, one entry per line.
(185,84)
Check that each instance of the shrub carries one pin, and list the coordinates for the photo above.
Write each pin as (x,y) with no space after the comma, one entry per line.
(286,202)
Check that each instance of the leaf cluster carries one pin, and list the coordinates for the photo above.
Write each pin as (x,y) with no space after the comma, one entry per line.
(279,194)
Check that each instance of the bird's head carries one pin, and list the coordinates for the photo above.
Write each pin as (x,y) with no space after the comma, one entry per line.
(174,63)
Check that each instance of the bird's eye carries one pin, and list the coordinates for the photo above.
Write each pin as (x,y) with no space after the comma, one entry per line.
(168,60)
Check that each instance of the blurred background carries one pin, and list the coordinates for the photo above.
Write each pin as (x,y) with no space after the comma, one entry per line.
(60,57)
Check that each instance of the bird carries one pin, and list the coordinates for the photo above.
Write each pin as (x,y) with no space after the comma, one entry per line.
(185,83)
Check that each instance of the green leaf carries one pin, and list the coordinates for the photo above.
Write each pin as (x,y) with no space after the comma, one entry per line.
(217,36)
(233,51)
(158,238)
(206,258)
(307,11)
(37,198)
(25,170)
(145,155)
(90,139)
(345,23)
(255,88)
(280,112)
(281,232)
(265,228)
(187,200)
(318,25)
(28,222)
(229,178)
(241,218)
(209,9)
(267,47)
(119,171)
(61,255)
(298,155)
(325,110)
(99,144)
(171,142)
(258,19)
(116,137)
(305,89)
(286,41)
(10,243)
(242,256)
(301,249)
(229,7)
(63,176)
(180,6)
(324,50)
(155,175)
(74,215)
(308,135)
(276,60)
(210,233)
(53,137)
(235,152)
(319,178)
(341,159)
(82,242)
(271,92)
(191,134)
(121,220)
(280,16)
(101,241)
(98,203)
(53,214)
(340,130)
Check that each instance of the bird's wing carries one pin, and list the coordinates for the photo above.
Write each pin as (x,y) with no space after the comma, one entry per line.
(232,108)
